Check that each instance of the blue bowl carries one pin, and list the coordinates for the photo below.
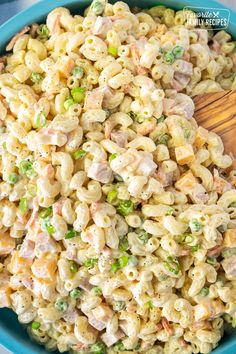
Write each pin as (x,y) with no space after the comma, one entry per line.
(12,334)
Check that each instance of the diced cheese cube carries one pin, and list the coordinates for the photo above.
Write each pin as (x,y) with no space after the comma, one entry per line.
(7,244)
(203,311)
(186,183)
(102,312)
(230,238)
(18,264)
(44,268)
(65,65)
(184,154)
(201,137)
(5,292)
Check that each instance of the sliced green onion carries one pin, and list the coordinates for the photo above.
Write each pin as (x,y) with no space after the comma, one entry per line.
(48,226)
(232,205)
(98,348)
(163,139)
(118,178)
(23,205)
(195,248)
(119,347)
(204,292)
(170,211)
(78,72)
(13,178)
(40,120)
(61,305)
(71,234)
(112,196)
(90,262)
(112,51)
(178,51)
(2,130)
(4,145)
(97,7)
(43,31)
(112,157)
(68,103)
(124,244)
(36,77)
(43,214)
(149,304)
(161,119)
(115,267)
(32,189)
(188,239)
(75,293)
(119,306)
(73,267)
(139,119)
(168,58)
(187,133)
(195,225)
(172,265)
(123,261)
(125,207)
(35,325)
(211,260)
(26,168)
(79,154)
(97,291)
(143,237)
(78,94)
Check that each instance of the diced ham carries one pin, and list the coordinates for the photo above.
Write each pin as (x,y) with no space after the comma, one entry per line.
(27,249)
(93,99)
(220,184)
(166,179)
(102,312)
(229,266)
(16,37)
(183,67)
(180,81)
(70,315)
(101,26)
(216,47)
(49,171)
(111,338)
(199,195)
(34,213)
(99,325)
(101,172)
(166,325)
(56,25)
(146,166)
(45,243)
(108,129)
(85,285)
(215,251)
(28,283)
(120,138)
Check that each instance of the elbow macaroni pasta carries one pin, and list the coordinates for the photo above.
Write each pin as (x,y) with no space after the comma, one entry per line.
(117,212)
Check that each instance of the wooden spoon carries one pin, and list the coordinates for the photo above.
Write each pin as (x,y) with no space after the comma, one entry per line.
(217,112)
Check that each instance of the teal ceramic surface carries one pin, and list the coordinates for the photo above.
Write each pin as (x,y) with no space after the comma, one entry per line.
(12,334)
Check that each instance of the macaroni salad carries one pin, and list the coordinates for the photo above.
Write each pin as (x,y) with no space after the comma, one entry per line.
(117,211)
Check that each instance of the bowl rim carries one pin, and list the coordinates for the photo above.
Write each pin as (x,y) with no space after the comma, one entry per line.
(37,12)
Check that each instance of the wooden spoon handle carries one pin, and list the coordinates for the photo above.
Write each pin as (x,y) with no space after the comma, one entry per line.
(217,112)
